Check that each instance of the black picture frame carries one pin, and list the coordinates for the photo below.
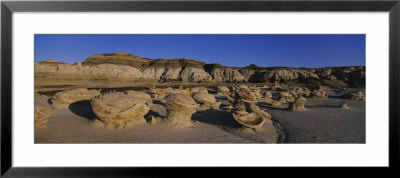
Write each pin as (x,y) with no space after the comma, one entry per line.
(8,7)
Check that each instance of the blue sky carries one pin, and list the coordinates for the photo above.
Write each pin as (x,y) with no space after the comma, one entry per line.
(228,50)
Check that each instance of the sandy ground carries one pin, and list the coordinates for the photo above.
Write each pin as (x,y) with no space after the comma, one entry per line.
(323,122)
(73,125)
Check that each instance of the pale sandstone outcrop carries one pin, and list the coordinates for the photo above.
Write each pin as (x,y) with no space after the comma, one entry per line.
(288,74)
(118,58)
(195,75)
(79,72)
(206,101)
(152,73)
(226,75)
(42,115)
(128,67)
(119,110)
(180,108)
(64,98)
(171,73)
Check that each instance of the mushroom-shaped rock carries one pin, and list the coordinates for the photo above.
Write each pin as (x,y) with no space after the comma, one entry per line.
(118,110)
(65,98)
(267,97)
(180,108)
(319,94)
(307,92)
(355,96)
(199,89)
(42,115)
(249,115)
(243,93)
(206,101)
(297,105)
(223,90)
(285,97)
(256,91)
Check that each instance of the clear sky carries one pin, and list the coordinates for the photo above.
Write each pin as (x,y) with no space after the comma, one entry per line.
(228,50)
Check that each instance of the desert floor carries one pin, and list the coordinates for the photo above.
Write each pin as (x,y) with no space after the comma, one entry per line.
(324,121)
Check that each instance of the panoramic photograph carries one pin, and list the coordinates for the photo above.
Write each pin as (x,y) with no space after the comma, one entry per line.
(200,88)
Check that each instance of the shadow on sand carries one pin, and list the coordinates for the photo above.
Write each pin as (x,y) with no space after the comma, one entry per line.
(216,117)
(82,108)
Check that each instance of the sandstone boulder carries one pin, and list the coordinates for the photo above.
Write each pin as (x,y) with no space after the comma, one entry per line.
(297,105)
(119,110)
(222,90)
(206,101)
(199,89)
(140,95)
(180,108)
(344,106)
(319,94)
(42,115)
(249,115)
(243,93)
(64,98)
(285,97)
(355,96)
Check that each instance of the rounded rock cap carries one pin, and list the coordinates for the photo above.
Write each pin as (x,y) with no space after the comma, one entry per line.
(180,100)
(202,97)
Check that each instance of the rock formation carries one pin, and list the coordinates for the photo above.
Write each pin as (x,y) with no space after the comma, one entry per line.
(119,110)
(249,115)
(180,108)
(124,66)
(297,105)
(140,95)
(206,101)
(195,75)
(223,90)
(42,115)
(64,98)
(285,97)
(275,103)
(224,74)
(344,106)
(355,96)
(199,89)
(244,93)
(319,94)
